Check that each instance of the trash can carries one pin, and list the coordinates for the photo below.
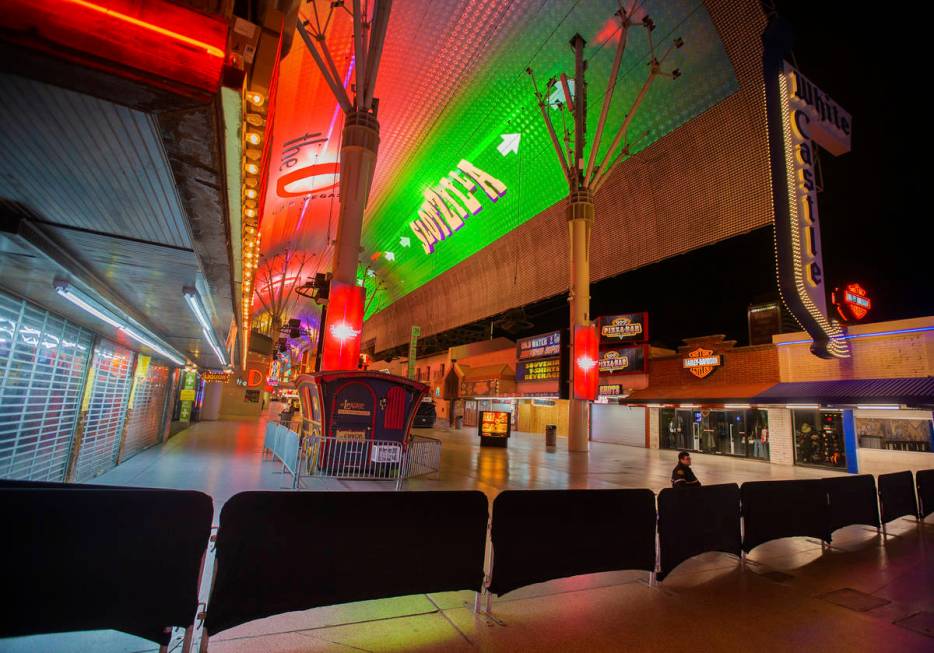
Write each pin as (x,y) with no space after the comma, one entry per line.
(551,435)
(458,422)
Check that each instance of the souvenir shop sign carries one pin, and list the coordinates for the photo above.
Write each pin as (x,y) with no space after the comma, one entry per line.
(543,369)
(625,328)
(702,362)
(546,345)
(623,360)
(216,375)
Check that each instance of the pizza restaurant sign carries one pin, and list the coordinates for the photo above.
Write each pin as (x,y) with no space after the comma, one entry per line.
(702,362)
(628,327)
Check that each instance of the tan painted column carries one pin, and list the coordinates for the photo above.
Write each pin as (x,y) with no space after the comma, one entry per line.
(358,160)
(580,214)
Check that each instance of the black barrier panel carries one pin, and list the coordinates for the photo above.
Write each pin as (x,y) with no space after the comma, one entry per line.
(283,551)
(897,496)
(541,535)
(925,480)
(853,500)
(695,520)
(776,509)
(123,559)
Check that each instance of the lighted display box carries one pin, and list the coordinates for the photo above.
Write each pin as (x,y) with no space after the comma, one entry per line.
(363,417)
(494,428)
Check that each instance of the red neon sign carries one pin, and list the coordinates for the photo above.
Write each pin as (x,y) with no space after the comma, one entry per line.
(586,362)
(852,302)
(343,327)
(154,41)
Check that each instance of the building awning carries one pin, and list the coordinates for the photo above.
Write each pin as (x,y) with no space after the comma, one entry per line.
(697,394)
(487,373)
(914,391)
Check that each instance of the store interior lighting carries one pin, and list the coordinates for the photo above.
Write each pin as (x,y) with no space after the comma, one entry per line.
(88,305)
(197,307)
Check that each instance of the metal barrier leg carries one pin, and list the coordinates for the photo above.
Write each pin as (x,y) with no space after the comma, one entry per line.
(189,633)
(476,601)
(203,648)
(489,579)
(652,581)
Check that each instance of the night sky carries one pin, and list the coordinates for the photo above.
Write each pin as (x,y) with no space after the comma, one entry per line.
(873,210)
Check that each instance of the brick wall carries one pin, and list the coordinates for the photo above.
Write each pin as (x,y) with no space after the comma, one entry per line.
(889,356)
(781,441)
(741,365)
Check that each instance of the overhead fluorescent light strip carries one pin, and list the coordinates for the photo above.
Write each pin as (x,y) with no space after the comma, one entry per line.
(78,301)
(85,304)
(217,351)
(197,307)
(148,343)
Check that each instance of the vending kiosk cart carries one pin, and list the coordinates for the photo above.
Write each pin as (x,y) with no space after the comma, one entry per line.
(358,420)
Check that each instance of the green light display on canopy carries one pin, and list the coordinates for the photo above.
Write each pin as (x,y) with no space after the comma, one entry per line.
(486,165)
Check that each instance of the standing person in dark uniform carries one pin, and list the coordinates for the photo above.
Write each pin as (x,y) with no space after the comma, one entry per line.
(681,475)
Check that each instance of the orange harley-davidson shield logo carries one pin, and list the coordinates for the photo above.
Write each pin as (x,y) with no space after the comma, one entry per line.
(701,362)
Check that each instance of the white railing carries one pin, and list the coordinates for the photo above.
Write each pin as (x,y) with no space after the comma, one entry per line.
(314,456)
(380,460)
(423,457)
(284,444)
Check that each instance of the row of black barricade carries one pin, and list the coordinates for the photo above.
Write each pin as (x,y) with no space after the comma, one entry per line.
(85,557)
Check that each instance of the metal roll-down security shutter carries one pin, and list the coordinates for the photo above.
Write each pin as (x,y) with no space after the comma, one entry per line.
(43,362)
(146,410)
(106,412)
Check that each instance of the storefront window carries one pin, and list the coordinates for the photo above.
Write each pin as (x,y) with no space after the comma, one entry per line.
(894,434)
(819,438)
(742,433)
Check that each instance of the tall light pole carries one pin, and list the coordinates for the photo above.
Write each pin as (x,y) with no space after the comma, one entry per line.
(359,147)
(586,177)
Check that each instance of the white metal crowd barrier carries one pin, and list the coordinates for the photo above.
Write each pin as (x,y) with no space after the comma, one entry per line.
(341,458)
(286,446)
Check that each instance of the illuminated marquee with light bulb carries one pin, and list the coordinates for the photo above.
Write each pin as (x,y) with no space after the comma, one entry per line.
(254,120)
(802,116)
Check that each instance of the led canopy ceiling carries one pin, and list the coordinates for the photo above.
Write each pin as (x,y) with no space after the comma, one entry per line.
(464,155)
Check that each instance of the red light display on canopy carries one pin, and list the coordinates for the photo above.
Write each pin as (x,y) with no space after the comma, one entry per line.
(586,362)
(852,302)
(154,41)
(343,328)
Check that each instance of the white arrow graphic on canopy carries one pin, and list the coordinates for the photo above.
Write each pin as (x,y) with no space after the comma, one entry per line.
(510,143)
